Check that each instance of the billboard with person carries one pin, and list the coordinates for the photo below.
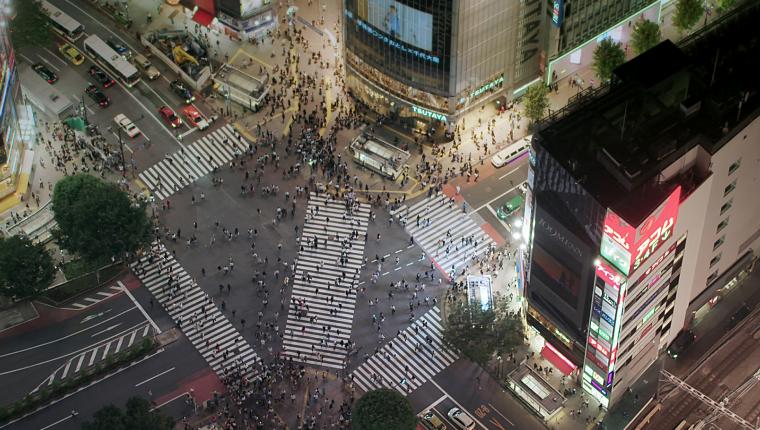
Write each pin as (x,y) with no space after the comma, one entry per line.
(400,21)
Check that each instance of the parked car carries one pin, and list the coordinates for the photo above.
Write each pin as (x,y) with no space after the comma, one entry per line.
(127,125)
(46,73)
(95,94)
(169,116)
(509,207)
(149,70)
(432,421)
(119,47)
(461,419)
(684,339)
(182,91)
(194,118)
(101,76)
(511,152)
(71,53)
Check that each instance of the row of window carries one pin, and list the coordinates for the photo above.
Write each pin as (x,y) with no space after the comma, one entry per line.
(723,209)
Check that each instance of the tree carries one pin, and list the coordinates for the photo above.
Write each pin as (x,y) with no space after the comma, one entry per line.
(136,416)
(383,409)
(26,269)
(646,34)
(482,333)
(724,5)
(96,219)
(687,14)
(29,25)
(607,56)
(536,101)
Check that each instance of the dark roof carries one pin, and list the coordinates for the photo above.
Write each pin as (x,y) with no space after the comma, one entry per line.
(659,106)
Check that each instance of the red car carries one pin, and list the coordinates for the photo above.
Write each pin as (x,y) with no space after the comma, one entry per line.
(169,116)
(101,76)
(194,118)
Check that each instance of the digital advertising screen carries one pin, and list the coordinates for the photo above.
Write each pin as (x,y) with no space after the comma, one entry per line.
(400,21)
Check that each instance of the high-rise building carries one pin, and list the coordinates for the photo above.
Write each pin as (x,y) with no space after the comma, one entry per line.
(239,18)
(575,27)
(641,205)
(429,61)
(15,136)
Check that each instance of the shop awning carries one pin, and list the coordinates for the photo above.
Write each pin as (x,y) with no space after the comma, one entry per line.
(202,17)
(557,359)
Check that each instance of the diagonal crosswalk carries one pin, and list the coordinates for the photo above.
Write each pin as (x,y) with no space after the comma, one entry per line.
(447,234)
(321,311)
(212,334)
(182,168)
(408,360)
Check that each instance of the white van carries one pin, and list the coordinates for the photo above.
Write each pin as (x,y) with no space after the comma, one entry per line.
(461,419)
(149,70)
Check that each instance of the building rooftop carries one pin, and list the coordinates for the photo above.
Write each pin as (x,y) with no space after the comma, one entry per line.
(657,107)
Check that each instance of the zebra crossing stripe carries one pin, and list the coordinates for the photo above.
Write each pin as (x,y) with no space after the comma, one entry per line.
(180,169)
(421,351)
(216,331)
(314,331)
(464,238)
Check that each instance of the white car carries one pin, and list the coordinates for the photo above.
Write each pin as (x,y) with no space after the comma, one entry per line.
(508,154)
(128,126)
(461,419)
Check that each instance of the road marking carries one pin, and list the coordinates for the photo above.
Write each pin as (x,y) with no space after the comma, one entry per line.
(497,198)
(386,255)
(100,24)
(435,403)
(106,329)
(399,251)
(55,56)
(125,145)
(154,377)
(169,401)
(457,403)
(397,269)
(505,225)
(93,316)
(510,172)
(66,418)
(94,354)
(105,350)
(385,273)
(118,344)
(66,369)
(145,314)
(409,264)
(79,363)
(502,415)
(64,337)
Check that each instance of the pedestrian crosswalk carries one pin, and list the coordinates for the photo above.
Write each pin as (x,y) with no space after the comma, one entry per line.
(447,234)
(321,311)
(96,354)
(408,360)
(182,168)
(212,334)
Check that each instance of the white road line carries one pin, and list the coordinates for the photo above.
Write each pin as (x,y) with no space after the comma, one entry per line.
(497,197)
(435,403)
(111,327)
(169,401)
(94,354)
(458,404)
(66,369)
(79,363)
(66,418)
(510,172)
(502,415)
(64,337)
(105,350)
(98,21)
(54,56)
(145,314)
(154,377)
(118,344)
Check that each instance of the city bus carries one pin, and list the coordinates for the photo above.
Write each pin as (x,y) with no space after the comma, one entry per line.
(63,24)
(111,61)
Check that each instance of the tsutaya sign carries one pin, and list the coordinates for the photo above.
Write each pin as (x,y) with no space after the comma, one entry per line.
(627,247)
(429,113)
(493,84)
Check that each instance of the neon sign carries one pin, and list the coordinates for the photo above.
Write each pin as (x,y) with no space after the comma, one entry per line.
(429,113)
(493,84)
(558,13)
(627,247)
(609,274)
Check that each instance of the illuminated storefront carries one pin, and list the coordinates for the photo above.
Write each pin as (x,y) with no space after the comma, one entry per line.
(12,145)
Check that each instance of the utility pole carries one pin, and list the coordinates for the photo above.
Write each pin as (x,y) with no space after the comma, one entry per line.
(84,111)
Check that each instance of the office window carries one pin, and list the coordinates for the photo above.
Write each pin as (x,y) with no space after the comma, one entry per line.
(715,259)
(726,206)
(719,242)
(730,187)
(722,225)
(732,168)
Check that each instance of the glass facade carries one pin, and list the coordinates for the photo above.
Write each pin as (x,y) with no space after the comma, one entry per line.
(11,143)
(429,59)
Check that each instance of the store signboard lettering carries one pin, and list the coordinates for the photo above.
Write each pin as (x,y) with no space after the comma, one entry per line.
(428,113)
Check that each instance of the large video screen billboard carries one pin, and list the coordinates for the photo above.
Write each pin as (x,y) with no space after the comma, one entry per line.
(627,247)
(400,21)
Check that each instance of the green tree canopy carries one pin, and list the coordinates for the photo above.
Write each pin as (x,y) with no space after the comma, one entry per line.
(724,5)
(29,25)
(482,333)
(646,34)
(687,14)
(136,416)
(26,269)
(607,56)
(383,409)
(536,101)
(96,219)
